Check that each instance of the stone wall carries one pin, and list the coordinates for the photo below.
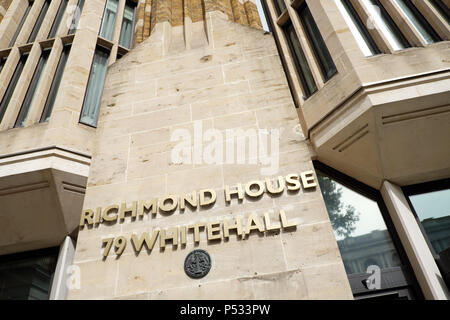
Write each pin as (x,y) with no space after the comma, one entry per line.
(235,80)
(4,5)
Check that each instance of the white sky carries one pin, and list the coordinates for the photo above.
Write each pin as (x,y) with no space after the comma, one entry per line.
(261,14)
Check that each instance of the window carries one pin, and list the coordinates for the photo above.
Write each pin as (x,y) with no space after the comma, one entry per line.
(22,21)
(365,236)
(2,63)
(318,45)
(306,77)
(418,21)
(76,17)
(29,97)
(431,204)
(91,104)
(443,10)
(126,33)
(40,19)
(27,276)
(12,85)
(109,19)
(280,6)
(49,103)
(387,26)
(357,28)
(58,18)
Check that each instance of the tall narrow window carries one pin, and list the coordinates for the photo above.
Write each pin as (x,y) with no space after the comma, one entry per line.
(280,6)
(109,19)
(58,19)
(422,26)
(51,98)
(357,28)
(89,113)
(327,66)
(2,63)
(306,77)
(387,26)
(126,32)
(12,85)
(22,21)
(76,17)
(29,97)
(40,19)
(443,9)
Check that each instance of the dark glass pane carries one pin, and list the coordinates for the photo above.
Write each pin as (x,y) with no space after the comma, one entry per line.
(126,33)
(370,47)
(58,18)
(359,227)
(109,19)
(387,26)
(12,85)
(22,21)
(91,104)
(318,45)
(306,77)
(2,63)
(29,97)
(442,8)
(418,21)
(280,6)
(27,278)
(76,17)
(40,19)
(48,108)
(433,210)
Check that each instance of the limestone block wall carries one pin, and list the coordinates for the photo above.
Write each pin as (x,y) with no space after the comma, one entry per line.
(176,12)
(4,5)
(233,80)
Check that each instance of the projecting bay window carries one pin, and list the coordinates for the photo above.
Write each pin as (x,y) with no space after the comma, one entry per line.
(442,9)
(421,25)
(76,17)
(91,104)
(126,33)
(22,21)
(12,85)
(280,6)
(386,25)
(39,21)
(31,92)
(58,18)
(357,28)
(51,98)
(109,19)
(306,77)
(318,45)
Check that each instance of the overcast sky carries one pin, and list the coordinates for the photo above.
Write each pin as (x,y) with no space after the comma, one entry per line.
(261,14)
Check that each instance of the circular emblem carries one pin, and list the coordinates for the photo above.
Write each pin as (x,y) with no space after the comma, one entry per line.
(197,264)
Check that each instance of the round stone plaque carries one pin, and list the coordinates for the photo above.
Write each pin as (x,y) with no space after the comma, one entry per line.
(197,264)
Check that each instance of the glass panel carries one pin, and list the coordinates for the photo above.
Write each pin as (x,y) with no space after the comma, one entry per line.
(94,89)
(22,21)
(12,85)
(386,25)
(76,17)
(306,77)
(2,63)
(357,28)
(443,10)
(27,278)
(40,19)
(360,230)
(58,19)
(433,210)
(127,26)
(109,19)
(318,45)
(29,97)
(48,108)
(280,6)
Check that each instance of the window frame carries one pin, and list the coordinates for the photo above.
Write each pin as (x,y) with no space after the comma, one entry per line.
(21,23)
(39,21)
(375,195)
(134,5)
(58,19)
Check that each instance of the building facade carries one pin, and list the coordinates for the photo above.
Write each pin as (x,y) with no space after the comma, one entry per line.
(173,149)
